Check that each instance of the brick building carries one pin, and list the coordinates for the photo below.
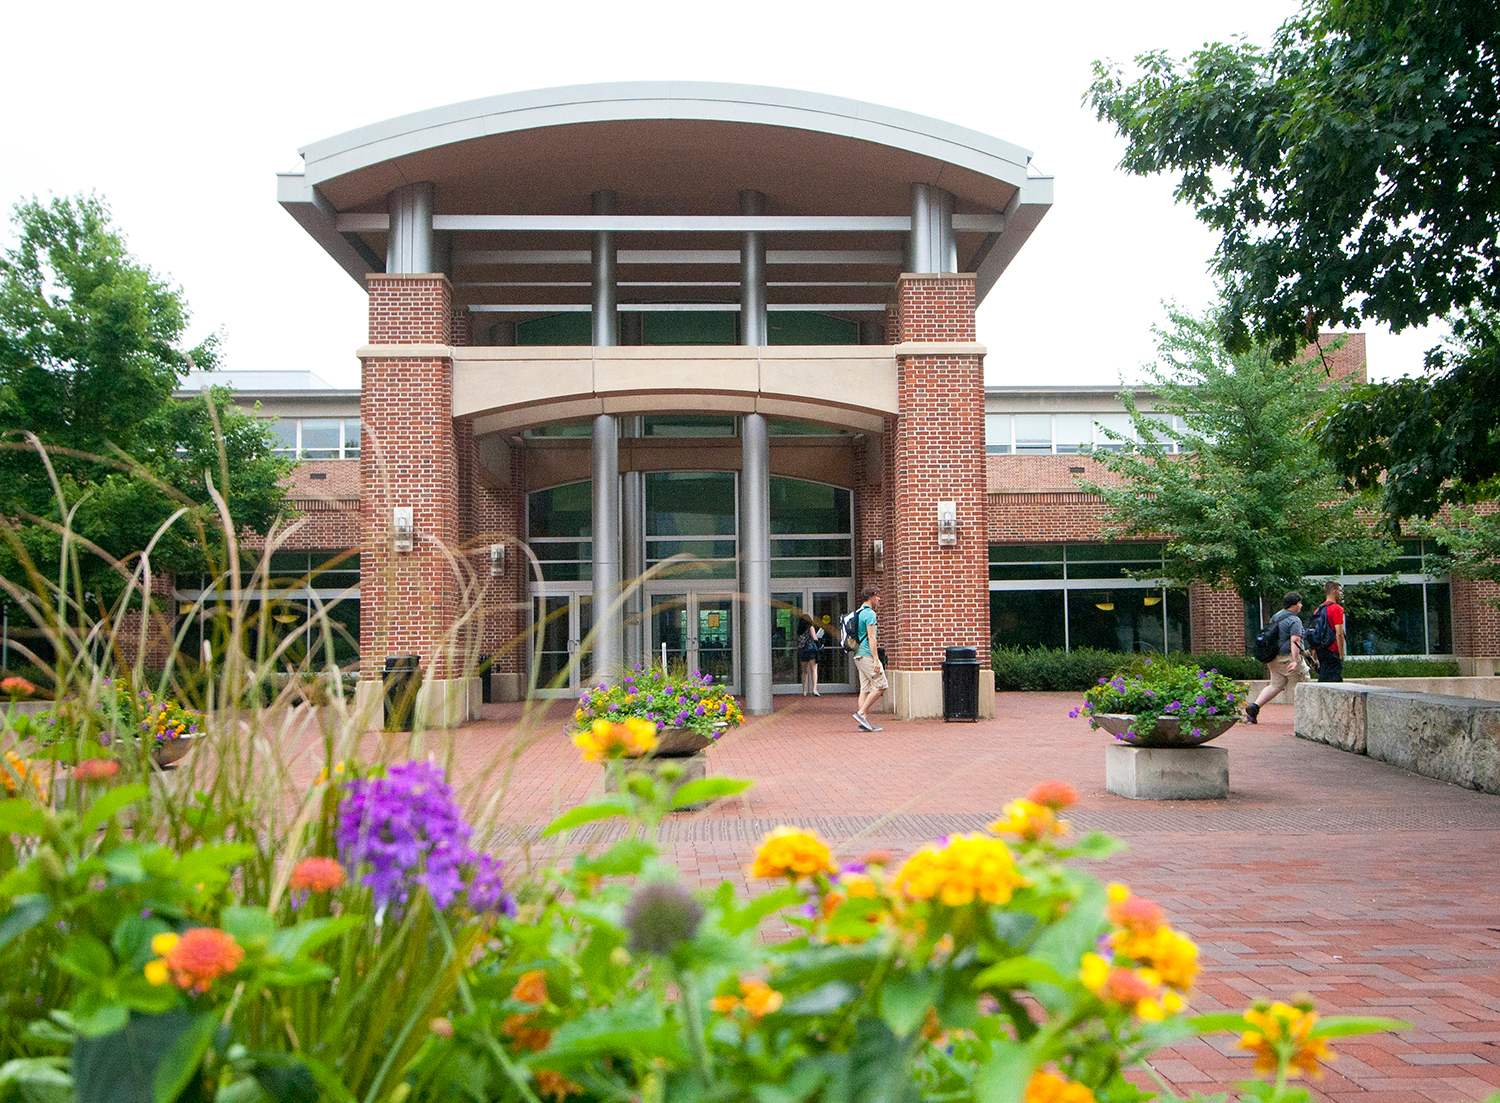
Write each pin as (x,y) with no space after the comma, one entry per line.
(668,368)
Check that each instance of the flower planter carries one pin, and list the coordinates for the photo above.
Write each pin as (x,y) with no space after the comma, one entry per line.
(1165,732)
(172,751)
(679,743)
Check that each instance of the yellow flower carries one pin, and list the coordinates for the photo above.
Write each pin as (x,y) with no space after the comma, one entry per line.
(1044,1087)
(1172,956)
(1283,1029)
(1094,973)
(18,773)
(630,739)
(1029,820)
(157,972)
(966,868)
(788,852)
(162,944)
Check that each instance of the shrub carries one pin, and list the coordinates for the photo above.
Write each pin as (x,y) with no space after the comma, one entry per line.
(1401,668)
(1052,669)
(1155,689)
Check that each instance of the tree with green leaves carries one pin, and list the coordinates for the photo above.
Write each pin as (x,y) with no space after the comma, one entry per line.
(1245,501)
(90,355)
(1352,172)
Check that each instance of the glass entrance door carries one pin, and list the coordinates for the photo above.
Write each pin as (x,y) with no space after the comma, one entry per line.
(560,655)
(790,610)
(699,630)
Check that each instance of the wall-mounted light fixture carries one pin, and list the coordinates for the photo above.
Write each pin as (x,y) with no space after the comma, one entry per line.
(497,560)
(877,555)
(1154,599)
(403,529)
(947,524)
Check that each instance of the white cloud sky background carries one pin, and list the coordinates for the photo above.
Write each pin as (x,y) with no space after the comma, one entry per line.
(181,115)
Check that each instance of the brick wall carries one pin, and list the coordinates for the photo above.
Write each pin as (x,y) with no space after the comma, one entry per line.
(1043,518)
(1476,618)
(1345,362)
(1217,618)
(409,601)
(159,618)
(941,595)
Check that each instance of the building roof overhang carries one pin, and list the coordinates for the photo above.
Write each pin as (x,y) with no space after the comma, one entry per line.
(671,150)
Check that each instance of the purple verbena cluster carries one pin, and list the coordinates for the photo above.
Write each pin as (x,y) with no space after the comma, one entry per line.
(406,829)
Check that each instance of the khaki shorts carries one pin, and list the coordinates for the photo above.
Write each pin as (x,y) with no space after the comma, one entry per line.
(870,676)
(1280,679)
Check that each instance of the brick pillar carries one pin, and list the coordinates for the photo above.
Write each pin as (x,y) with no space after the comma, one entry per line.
(1476,626)
(159,618)
(1216,619)
(409,601)
(941,594)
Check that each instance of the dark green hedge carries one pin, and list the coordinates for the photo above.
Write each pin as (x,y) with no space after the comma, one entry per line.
(1045,668)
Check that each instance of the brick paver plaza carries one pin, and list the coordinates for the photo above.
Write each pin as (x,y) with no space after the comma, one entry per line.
(1324,872)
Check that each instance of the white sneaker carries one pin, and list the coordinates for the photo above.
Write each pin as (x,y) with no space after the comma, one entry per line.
(864,725)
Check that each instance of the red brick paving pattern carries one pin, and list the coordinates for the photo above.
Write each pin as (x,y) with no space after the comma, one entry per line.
(1371,888)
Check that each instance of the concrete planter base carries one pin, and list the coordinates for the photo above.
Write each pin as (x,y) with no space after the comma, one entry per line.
(1166,773)
(694,767)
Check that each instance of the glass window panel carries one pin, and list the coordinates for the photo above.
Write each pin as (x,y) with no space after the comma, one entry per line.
(1179,621)
(1158,424)
(1118,423)
(561,511)
(1075,432)
(997,433)
(787,549)
(690,503)
(1398,628)
(1115,620)
(811,568)
(784,427)
(1439,618)
(1002,572)
(1026,553)
(351,438)
(658,549)
(568,572)
(834,664)
(1078,553)
(703,568)
(321,437)
(556,550)
(1026,618)
(570,430)
(786,625)
(1033,433)
(688,425)
(285,431)
(800,506)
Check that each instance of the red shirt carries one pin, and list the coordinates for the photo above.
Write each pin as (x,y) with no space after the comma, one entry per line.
(1335,613)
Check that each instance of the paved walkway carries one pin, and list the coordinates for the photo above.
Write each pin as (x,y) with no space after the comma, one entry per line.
(1375,890)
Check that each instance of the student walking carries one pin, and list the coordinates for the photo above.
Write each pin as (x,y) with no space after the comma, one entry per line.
(809,649)
(1326,634)
(1287,668)
(872,680)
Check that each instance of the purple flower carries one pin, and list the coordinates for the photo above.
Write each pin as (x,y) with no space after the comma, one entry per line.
(1197,732)
(407,829)
(1200,700)
(1174,706)
(1074,714)
(1211,710)
(1104,681)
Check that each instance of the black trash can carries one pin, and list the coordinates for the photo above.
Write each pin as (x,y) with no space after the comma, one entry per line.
(961,684)
(403,677)
(486,694)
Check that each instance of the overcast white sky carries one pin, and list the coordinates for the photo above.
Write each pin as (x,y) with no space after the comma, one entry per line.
(180,115)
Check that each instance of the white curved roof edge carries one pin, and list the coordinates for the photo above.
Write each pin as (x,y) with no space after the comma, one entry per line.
(737,103)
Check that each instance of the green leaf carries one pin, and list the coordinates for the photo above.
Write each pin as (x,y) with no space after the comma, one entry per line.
(182,1060)
(37,1080)
(110,804)
(24,914)
(1063,943)
(209,863)
(1004,1075)
(1017,972)
(1341,1026)
(21,817)
(904,1000)
(248,926)
(822,1000)
(584,813)
(124,864)
(93,1017)
(749,917)
(86,958)
(707,789)
(131,940)
(1096,845)
(1223,1020)
(286,1081)
(307,936)
(635,1028)
(624,859)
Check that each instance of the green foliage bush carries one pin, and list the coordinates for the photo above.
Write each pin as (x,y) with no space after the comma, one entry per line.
(1046,668)
(1401,668)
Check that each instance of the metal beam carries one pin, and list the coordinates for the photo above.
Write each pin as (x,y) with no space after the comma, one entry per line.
(374,222)
(468,257)
(672,283)
(584,308)
(316,215)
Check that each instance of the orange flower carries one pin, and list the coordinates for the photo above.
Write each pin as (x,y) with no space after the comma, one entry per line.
(788,852)
(1030,820)
(756,996)
(1053,794)
(554,1085)
(526,1036)
(531,988)
(198,956)
(317,875)
(1281,1028)
(16,686)
(15,771)
(96,769)
(1044,1087)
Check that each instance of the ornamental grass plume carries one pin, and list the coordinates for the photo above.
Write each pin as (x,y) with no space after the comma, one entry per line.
(960,870)
(407,830)
(792,853)
(1281,1029)
(1045,1087)
(194,959)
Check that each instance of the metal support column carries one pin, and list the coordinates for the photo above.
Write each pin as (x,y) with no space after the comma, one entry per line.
(410,245)
(633,551)
(606,461)
(755,561)
(932,248)
(752,274)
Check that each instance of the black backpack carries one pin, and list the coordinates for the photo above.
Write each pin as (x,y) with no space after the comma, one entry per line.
(1320,633)
(849,631)
(1268,643)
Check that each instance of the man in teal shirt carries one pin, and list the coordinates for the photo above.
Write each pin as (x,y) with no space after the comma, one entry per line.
(872,681)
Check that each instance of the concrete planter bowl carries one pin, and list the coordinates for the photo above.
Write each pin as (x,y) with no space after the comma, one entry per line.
(679,743)
(1164,733)
(172,751)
